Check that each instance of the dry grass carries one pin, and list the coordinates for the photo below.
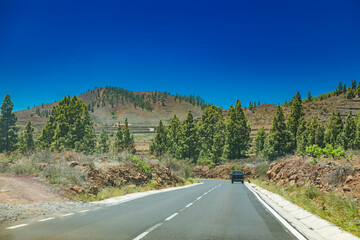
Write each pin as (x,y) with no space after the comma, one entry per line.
(338,209)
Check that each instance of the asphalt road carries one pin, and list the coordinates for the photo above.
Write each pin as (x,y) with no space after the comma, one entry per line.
(213,210)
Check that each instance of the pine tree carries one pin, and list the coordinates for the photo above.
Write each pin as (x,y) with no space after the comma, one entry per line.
(294,117)
(279,141)
(347,136)
(188,139)
(26,140)
(103,142)
(302,136)
(128,139)
(353,84)
(159,144)
(315,133)
(309,97)
(335,126)
(69,126)
(259,141)
(340,89)
(237,133)
(8,129)
(210,125)
(173,134)
(119,139)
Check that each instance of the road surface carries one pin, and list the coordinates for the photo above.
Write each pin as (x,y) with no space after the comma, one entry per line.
(213,210)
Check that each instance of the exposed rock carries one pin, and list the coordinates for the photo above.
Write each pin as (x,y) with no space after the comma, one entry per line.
(223,171)
(325,175)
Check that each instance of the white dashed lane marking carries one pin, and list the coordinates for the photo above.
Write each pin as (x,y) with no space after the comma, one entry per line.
(68,214)
(45,219)
(17,226)
(172,216)
(84,211)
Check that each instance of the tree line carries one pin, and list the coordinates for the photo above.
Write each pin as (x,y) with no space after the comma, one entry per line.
(295,134)
(207,141)
(69,127)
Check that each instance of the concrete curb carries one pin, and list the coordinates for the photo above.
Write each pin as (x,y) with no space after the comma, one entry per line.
(308,224)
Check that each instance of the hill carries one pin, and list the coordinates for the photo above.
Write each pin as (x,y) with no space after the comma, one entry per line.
(110,105)
(263,114)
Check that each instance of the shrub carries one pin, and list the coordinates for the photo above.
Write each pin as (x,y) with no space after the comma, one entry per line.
(139,163)
(311,192)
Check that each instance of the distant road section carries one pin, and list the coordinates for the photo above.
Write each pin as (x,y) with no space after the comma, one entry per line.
(213,210)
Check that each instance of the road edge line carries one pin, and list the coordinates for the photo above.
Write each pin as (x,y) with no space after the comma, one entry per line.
(282,220)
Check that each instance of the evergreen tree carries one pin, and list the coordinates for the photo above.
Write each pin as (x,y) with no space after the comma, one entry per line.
(210,125)
(159,144)
(347,136)
(69,126)
(173,134)
(309,97)
(339,89)
(294,117)
(237,133)
(119,139)
(103,142)
(279,141)
(315,133)
(302,136)
(350,94)
(8,129)
(188,139)
(26,139)
(353,84)
(334,128)
(260,141)
(320,136)
(128,139)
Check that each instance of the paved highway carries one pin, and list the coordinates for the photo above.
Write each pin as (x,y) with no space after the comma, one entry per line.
(213,210)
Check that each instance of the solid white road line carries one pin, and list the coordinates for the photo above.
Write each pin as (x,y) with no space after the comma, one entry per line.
(17,226)
(84,211)
(280,218)
(172,216)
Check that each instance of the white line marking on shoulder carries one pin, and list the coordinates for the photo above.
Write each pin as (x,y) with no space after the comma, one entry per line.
(84,211)
(280,218)
(17,226)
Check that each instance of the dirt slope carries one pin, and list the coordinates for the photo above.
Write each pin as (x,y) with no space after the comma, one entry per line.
(326,175)
(21,189)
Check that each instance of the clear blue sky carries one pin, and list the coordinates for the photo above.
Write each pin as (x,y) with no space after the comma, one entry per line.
(222,50)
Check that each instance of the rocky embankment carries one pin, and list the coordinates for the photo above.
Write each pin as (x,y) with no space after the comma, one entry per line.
(49,182)
(326,175)
(223,171)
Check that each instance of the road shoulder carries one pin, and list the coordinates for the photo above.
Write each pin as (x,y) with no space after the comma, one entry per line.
(308,224)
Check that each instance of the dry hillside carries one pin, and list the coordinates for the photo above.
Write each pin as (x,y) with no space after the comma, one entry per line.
(108,116)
